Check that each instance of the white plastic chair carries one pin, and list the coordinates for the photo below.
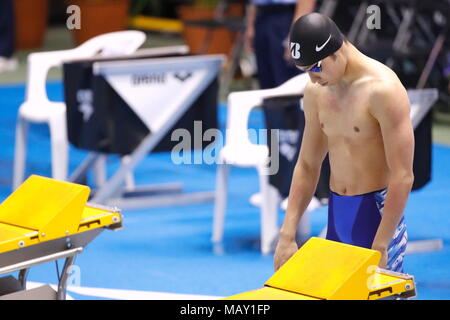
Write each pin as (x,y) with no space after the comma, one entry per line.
(239,151)
(39,109)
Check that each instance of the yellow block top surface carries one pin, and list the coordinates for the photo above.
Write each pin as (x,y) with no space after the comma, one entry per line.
(92,212)
(267,293)
(95,217)
(8,232)
(12,237)
(382,280)
(49,206)
(386,283)
(327,270)
(382,285)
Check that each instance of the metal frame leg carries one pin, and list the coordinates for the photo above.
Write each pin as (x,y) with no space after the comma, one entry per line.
(62,285)
(23,277)
(20,152)
(220,204)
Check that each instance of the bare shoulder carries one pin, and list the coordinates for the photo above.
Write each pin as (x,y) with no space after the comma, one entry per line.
(310,95)
(387,94)
(385,84)
(311,89)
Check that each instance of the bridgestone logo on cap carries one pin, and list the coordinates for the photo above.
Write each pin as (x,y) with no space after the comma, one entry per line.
(295,50)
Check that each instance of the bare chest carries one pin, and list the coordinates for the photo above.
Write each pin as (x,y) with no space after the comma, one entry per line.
(347,116)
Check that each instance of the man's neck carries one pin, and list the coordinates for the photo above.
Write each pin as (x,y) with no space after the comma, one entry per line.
(355,66)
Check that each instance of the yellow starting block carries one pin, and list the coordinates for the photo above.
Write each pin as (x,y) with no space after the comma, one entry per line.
(328,270)
(46,220)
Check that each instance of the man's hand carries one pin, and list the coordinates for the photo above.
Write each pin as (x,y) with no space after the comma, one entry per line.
(248,39)
(285,249)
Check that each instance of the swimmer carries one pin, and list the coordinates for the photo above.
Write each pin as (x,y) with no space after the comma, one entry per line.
(357,111)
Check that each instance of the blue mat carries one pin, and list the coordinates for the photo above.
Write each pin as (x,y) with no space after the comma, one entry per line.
(168,249)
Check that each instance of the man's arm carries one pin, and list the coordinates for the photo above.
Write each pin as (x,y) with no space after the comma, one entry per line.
(305,177)
(250,27)
(390,106)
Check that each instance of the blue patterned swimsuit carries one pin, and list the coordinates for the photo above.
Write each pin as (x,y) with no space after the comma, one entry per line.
(355,219)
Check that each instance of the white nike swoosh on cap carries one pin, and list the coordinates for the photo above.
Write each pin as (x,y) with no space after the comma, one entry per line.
(323,46)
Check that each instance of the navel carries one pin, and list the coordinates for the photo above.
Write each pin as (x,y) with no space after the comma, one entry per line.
(321,125)
(356,129)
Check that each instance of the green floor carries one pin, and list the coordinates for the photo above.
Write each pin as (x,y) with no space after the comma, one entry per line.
(58,38)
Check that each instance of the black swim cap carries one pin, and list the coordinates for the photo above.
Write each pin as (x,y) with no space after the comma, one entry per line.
(314,37)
